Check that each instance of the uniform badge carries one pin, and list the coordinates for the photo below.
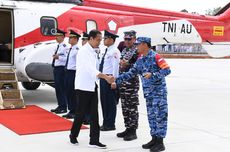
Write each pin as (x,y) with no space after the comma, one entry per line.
(116,55)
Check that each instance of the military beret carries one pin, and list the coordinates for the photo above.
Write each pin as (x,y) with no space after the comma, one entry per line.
(130,34)
(143,40)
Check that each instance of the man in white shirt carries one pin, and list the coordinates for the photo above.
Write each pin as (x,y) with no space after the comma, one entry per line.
(70,70)
(84,39)
(58,64)
(109,65)
(86,88)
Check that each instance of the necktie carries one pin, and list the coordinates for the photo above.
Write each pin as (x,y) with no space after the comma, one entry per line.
(102,61)
(55,54)
(67,61)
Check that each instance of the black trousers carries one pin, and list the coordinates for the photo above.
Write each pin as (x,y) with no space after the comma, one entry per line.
(59,83)
(87,101)
(108,103)
(70,91)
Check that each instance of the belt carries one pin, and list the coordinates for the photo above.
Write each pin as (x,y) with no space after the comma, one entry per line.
(59,66)
(70,70)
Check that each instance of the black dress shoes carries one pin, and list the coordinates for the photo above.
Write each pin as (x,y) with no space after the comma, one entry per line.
(54,110)
(73,140)
(105,128)
(69,116)
(58,110)
(97,145)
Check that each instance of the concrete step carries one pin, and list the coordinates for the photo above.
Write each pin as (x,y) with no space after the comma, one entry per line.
(7,76)
(6,71)
(11,94)
(12,104)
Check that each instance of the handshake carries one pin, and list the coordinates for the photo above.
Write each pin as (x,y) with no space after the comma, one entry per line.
(111,80)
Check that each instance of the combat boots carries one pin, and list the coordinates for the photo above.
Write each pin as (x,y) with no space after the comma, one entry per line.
(131,135)
(158,146)
(122,134)
(150,143)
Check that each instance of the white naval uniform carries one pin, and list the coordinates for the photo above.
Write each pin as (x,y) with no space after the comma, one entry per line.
(72,58)
(111,61)
(108,95)
(59,75)
(70,72)
(62,55)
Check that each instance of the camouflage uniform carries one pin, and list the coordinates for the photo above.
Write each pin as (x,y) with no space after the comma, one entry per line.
(155,91)
(129,90)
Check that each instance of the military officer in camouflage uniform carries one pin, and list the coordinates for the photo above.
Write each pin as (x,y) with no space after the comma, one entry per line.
(129,89)
(153,69)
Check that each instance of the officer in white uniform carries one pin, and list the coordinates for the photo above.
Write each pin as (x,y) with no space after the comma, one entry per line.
(70,70)
(109,65)
(58,64)
(84,38)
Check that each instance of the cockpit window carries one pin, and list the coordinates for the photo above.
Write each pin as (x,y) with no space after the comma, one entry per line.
(48,26)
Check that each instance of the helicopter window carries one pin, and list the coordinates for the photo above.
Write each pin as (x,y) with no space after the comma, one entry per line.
(91,25)
(48,26)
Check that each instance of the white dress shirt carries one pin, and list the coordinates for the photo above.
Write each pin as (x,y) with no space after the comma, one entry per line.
(111,61)
(86,72)
(62,55)
(71,58)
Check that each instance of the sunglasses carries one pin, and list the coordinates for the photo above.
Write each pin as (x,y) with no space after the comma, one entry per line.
(127,39)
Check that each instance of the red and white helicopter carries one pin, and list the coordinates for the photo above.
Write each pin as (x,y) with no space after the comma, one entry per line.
(28,26)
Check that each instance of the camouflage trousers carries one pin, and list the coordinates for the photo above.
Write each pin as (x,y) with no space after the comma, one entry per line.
(129,102)
(157,109)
